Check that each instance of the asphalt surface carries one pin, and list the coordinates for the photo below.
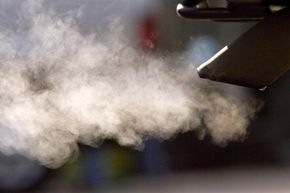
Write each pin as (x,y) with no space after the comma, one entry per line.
(238,180)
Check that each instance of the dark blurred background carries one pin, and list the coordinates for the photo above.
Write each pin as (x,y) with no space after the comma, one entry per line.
(259,163)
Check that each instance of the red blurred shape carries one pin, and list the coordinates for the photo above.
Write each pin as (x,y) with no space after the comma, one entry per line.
(147,34)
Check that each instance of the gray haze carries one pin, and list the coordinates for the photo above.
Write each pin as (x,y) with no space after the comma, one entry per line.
(60,86)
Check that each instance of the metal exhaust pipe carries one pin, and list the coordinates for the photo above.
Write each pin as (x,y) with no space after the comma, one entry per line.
(257,58)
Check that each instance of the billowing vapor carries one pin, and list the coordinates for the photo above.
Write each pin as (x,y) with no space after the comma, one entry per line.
(59,88)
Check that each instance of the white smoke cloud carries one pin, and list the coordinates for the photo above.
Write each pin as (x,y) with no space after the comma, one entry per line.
(60,88)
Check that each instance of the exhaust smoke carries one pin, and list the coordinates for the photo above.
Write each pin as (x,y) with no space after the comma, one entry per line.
(59,88)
